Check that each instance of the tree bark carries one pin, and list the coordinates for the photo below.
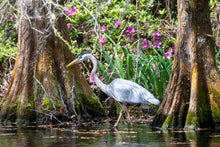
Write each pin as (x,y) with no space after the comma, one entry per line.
(40,81)
(192,98)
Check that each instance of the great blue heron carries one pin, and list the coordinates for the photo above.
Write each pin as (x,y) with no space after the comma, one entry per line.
(123,91)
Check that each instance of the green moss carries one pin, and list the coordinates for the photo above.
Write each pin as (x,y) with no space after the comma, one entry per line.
(89,103)
(167,122)
(183,114)
(28,111)
(47,104)
(175,120)
(216,114)
(201,116)
(158,119)
(215,104)
(93,104)
(191,121)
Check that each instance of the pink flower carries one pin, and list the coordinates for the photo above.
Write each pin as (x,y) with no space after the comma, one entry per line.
(111,56)
(68,26)
(144,44)
(217,44)
(149,44)
(142,32)
(130,30)
(102,40)
(117,24)
(133,51)
(101,78)
(168,54)
(171,50)
(103,28)
(173,46)
(12,17)
(156,36)
(66,10)
(71,11)
(131,36)
(157,44)
(124,34)
(154,66)
(91,80)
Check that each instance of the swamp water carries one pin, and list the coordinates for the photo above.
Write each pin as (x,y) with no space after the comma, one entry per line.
(102,135)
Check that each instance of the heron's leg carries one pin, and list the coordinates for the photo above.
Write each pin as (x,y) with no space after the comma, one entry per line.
(128,114)
(119,117)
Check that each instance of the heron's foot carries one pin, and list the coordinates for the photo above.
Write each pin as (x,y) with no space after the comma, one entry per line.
(115,126)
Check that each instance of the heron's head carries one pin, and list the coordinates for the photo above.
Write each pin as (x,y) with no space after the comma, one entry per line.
(80,59)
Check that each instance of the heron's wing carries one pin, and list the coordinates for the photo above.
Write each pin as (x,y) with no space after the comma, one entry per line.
(129,92)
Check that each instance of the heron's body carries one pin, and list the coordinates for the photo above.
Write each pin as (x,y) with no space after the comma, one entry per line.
(121,90)
(125,91)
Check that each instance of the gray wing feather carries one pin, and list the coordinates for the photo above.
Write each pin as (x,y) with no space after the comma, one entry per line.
(129,92)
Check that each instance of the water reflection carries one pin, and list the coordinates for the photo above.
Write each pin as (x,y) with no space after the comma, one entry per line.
(103,135)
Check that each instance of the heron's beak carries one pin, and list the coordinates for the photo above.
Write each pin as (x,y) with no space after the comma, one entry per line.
(73,62)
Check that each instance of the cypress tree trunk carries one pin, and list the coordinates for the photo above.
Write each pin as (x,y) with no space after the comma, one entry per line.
(40,81)
(192,98)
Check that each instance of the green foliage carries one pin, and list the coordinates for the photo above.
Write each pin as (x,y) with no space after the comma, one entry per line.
(8,37)
(150,69)
(162,12)
(126,38)
(138,46)
(7,47)
(217,57)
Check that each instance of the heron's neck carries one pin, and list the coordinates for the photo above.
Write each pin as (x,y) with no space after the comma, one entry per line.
(94,71)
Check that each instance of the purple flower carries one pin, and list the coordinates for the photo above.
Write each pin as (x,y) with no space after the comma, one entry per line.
(171,50)
(117,24)
(115,21)
(91,80)
(149,44)
(144,44)
(66,10)
(124,34)
(130,30)
(142,32)
(71,11)
(173,46)
(133,51)
(156,36)
(157,44)
(103,28)
(101,78)
(102,40)
(168,54)
(68,26)
(128,33)
(12,17)
(154,66)
(131,36)
(217,44)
